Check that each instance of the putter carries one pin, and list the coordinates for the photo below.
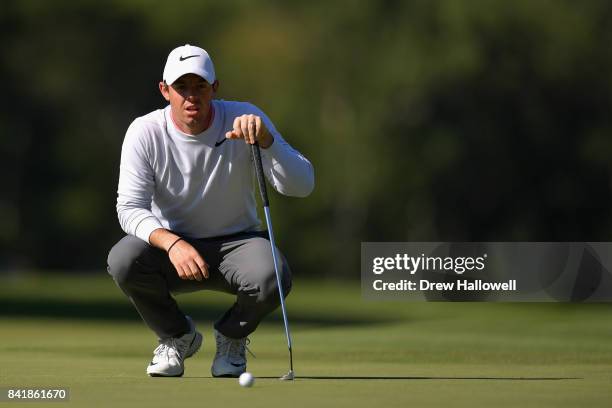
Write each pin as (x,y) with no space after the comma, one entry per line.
(264,198)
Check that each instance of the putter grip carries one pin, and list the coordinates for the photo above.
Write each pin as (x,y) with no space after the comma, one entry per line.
(261,180)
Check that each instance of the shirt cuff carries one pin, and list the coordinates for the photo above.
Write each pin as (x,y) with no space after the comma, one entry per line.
(146,227)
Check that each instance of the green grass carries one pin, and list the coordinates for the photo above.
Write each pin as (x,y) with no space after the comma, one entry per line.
(79,332)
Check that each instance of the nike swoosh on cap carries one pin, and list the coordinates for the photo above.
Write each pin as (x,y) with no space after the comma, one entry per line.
(181,58)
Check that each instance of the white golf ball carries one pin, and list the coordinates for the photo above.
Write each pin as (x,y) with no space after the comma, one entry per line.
(246,379)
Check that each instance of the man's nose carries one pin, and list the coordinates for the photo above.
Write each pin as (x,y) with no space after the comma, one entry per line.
(191,92)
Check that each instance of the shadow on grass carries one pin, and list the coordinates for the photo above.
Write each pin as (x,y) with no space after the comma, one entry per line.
(436,378)
(340,377)
(116,311)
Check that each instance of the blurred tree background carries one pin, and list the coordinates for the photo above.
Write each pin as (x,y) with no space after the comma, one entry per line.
(425,120)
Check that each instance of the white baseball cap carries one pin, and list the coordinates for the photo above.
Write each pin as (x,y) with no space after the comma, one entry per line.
(188,59)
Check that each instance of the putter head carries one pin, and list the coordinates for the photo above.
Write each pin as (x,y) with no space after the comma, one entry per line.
(288,377)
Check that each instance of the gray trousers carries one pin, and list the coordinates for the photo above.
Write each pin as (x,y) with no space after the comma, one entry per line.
(239,264)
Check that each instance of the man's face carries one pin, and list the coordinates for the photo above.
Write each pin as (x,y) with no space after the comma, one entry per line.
(190,98)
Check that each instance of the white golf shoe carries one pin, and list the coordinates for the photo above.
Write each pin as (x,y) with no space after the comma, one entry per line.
(230,359)
(169,355)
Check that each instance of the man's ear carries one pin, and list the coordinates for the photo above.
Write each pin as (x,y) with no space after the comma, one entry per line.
(215,85)
(165,91)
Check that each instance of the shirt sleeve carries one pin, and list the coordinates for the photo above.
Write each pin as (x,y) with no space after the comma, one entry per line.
(287,170)
(136,186)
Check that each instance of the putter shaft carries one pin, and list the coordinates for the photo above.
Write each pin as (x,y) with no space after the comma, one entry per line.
(264,198)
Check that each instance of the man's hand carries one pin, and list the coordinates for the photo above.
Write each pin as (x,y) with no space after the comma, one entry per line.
(251,128)
(187,261)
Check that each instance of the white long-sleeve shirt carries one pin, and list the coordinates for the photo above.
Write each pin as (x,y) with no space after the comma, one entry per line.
(201,185)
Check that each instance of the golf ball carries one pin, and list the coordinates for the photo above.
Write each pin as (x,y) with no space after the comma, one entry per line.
(246,379)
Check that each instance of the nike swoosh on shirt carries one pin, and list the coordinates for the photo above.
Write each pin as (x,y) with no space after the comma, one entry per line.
(220,142)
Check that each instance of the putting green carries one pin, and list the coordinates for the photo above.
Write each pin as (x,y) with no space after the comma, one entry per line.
(79,332)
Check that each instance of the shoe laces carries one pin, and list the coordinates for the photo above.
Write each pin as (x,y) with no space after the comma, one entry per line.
(233,348)
(168,348)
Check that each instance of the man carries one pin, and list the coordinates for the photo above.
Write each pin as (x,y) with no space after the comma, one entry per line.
(186,201)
